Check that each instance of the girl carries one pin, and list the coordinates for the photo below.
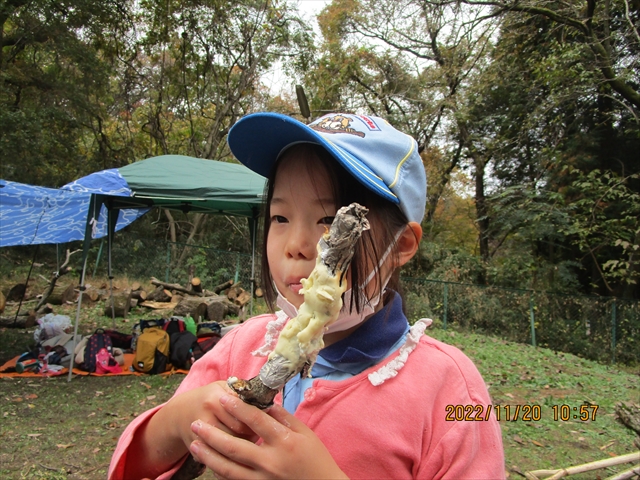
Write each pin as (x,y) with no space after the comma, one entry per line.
(376,403)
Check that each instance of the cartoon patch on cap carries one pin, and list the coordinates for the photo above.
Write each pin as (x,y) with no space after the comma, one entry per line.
(336,124)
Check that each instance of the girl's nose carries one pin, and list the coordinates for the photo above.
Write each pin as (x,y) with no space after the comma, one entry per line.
(301,244)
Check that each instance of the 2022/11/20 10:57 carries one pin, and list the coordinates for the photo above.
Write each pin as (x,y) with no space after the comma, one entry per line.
(513,413)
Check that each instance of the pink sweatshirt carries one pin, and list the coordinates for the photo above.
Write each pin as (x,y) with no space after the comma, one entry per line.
(393,430)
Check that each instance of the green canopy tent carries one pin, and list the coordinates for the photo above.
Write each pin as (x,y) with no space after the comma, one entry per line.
(174,182)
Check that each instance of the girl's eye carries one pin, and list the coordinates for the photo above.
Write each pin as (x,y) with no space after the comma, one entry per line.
(326,220)
(278,219)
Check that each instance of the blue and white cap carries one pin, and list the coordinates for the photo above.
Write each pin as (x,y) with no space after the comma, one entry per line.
(380,157)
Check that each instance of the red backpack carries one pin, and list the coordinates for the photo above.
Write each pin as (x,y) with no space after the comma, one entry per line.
(105,363)
(96,342)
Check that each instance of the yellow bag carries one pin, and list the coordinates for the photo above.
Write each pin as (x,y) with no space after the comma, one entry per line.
(152,351)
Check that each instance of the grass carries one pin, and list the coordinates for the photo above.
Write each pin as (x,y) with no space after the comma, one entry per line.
(54,429)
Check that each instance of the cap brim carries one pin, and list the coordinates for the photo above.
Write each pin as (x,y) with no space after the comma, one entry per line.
(257,140)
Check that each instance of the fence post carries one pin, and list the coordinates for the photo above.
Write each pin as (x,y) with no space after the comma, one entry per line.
(533,322)
(166,275)
(613,331)
(444,306)
(237,267)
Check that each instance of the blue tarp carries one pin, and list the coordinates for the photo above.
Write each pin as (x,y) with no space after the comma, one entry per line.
(32,215)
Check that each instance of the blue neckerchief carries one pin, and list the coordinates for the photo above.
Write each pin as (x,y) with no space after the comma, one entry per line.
(374,338)
(382,334)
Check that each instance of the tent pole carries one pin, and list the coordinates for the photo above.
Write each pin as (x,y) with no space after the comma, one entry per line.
(112,220)
(91,219)
(109,240)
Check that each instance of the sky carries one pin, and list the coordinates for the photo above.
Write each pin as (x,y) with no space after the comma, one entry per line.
(275,80)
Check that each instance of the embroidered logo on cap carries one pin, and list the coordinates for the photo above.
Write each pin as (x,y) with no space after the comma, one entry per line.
(336,124)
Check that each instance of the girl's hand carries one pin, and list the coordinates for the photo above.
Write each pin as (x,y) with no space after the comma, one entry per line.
(289,449)
(203,403)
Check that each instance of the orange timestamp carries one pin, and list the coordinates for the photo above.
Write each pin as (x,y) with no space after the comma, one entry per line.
(513,413)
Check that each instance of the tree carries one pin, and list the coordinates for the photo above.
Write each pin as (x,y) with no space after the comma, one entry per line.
(56,59)
(411,63)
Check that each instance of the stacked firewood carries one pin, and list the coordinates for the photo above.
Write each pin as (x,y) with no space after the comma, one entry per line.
(193,300)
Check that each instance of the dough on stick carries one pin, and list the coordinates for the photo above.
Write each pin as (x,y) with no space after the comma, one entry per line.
(302,338)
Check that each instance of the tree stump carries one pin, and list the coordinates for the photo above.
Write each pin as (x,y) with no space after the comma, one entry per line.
(62,294)
(3,302)
(17,293)
(121,304)
(196,285)
(216,311)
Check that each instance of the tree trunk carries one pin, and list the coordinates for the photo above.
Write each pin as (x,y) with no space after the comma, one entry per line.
(482,213)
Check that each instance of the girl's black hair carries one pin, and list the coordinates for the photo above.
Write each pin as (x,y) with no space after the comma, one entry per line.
(386,220)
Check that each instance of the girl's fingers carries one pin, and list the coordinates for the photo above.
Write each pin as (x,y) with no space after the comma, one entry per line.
(223,467)
(263,425)
(280,414)
(222,445)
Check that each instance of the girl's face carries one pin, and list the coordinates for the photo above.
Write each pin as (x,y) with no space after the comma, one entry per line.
(301,209)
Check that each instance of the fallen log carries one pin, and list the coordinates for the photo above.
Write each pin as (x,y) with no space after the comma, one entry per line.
(242,299)
(61,294)
(22,321)
(195,307)
(139,294)
(160,294)
(223,286)
(171,286)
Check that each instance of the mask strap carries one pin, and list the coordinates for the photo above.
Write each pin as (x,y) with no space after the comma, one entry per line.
(383,259)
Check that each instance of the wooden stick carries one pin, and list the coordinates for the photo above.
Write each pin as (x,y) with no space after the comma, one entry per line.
(632,472)
(586,467)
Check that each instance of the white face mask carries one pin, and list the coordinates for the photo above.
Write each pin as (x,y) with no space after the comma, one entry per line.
(348,318)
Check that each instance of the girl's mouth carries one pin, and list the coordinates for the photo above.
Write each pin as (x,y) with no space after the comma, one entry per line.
(295,288)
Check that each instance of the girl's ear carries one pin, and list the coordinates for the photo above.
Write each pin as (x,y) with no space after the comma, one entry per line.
(408,242)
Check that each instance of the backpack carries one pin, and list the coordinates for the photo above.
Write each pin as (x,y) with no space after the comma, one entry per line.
(152,351)
(119,339)
(96,341)
(208,329)
(174,325)
(203,345)
(182,344)
(105,363)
